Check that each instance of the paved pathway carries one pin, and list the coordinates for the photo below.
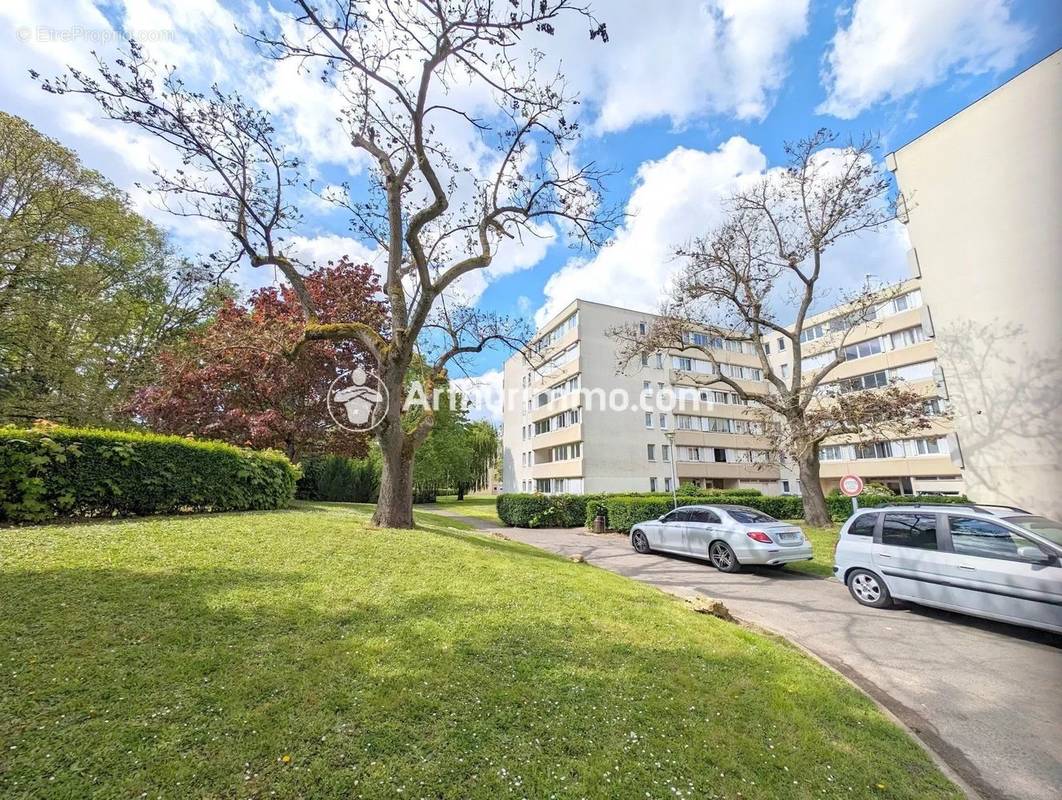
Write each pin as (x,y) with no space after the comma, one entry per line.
(985,697)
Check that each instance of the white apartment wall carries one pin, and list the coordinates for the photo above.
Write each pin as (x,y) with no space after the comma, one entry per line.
(615,450)
(984,200)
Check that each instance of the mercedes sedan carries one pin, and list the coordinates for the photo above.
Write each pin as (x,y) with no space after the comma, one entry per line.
(728,536)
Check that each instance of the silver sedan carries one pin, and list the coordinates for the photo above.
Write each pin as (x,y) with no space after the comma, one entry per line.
(728,536)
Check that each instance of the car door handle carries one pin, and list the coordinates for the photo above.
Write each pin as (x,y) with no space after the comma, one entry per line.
(967,566)
(884,555)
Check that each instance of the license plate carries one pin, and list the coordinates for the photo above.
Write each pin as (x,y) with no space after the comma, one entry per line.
(788,537)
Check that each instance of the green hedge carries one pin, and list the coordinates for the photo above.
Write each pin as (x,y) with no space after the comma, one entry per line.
(70,472)
(622,510)
(542,510)
(841,507)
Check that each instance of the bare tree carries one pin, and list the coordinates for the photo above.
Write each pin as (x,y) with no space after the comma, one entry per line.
(395,66)
(760,274)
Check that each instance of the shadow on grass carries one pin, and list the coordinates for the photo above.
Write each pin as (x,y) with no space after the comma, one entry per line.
(198,682)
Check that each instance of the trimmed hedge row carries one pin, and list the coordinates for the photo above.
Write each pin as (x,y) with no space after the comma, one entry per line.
(82,472)
(542,510)
(621,511)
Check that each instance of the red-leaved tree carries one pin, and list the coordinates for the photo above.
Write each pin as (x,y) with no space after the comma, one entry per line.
(236,382)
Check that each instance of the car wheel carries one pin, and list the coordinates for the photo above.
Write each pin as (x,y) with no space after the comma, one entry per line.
(641,544)
(868,589)
(722,557)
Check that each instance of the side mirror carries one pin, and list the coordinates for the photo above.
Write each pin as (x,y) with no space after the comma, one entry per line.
(1034,555)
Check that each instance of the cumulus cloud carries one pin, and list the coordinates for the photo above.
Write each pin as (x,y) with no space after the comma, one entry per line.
(484,395)
(675,198)
(683,59)
(679,197)
(884,54)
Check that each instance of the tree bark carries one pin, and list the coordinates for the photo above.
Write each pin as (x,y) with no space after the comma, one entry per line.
(816,512)
(394,508)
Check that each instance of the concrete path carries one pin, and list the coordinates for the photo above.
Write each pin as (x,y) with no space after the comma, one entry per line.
(986,698)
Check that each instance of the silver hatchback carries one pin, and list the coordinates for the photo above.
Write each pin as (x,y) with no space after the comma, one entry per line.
(995,562)
(727,535)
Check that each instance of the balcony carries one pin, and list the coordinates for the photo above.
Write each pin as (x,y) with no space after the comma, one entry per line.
(870,468)
(712,469)
(569,468)
(562,403)
(573,433)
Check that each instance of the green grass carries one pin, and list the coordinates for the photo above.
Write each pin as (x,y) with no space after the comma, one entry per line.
(478,506)
(302,654)
(822,542)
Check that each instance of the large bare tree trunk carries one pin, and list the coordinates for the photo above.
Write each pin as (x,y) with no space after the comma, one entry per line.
(815,511)
(394,508)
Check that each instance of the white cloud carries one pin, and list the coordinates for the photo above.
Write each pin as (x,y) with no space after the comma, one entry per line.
(327,247)
(886,53)
(485,395)
(682,60)
(679,197)
(676,198)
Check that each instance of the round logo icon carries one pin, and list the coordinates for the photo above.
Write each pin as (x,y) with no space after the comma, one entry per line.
(357,400)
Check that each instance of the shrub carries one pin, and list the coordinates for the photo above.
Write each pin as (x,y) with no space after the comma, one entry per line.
(841,507)
(335,478)
(624,509)
(542,510)
(70,472)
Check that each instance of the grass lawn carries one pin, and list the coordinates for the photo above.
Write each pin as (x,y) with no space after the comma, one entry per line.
(301,654)
(822,542)
(478,506)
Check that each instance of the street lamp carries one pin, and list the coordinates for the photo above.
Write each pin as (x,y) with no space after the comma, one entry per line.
(670,436)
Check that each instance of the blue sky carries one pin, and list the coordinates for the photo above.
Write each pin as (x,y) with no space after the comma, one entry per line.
(687,97)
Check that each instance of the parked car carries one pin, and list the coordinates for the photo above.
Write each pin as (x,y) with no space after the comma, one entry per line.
(996,562)
(728,536)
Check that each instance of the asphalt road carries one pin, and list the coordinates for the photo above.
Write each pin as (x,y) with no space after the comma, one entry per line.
(986,698)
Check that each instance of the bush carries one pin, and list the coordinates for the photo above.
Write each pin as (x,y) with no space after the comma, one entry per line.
(542,510)
(69,472)
(624,509)
(841,507)
(339,479)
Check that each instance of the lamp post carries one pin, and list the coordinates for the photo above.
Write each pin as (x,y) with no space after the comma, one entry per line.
(670,436)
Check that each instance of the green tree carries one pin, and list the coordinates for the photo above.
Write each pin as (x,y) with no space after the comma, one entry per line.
(89,290)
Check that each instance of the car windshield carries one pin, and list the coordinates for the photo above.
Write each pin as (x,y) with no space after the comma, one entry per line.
(748,515)
(1041,526)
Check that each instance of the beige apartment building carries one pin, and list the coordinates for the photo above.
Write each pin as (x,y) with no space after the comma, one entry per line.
(570,431)
(983,200)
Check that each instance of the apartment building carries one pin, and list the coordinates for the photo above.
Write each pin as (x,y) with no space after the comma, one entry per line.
(570,432)
(896,345)
(984,200)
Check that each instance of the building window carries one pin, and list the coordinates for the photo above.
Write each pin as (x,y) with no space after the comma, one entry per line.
(667,484)
(785,484)
(646,386)
(663,422)
(767,348)
(874,450)
(652,484)
(785,370)
(665,452)
(659,360)
(781,344)
(648,419)
(641,328)
(645,360)
(650,450)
